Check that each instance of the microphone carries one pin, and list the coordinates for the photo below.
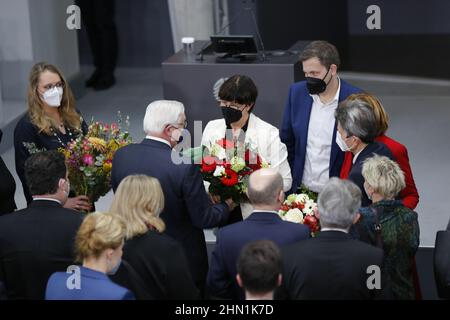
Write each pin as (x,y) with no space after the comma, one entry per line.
(258,34)
(232,20)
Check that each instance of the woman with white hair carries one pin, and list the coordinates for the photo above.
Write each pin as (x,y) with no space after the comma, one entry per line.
(388,224)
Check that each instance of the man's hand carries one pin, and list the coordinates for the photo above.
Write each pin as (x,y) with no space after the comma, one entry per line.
(80,203)
(231,204)
(215,198)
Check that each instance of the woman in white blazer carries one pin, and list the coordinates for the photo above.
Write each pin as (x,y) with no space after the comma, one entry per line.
(237,97)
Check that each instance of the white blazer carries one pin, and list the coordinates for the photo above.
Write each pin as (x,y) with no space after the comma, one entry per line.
(263,137)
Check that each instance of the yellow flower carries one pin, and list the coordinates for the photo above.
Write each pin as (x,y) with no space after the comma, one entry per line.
(97,143)
(107,166)
(113,145)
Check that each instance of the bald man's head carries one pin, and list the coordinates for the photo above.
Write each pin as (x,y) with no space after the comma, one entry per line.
(264,187)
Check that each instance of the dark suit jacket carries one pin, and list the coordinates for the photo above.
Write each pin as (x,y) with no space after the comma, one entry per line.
(294,130)
(442,263)
(94,285)
(230,241)
(161,263)
(356,170)
(34,243)
(7,187)
(187,207)
(330,266)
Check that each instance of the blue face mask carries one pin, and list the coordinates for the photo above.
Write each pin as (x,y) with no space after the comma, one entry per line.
(113,271)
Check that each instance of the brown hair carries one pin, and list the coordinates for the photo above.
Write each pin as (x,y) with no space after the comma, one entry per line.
(139,200)
(322,50)
(381,117)
(36,111)
(98,232)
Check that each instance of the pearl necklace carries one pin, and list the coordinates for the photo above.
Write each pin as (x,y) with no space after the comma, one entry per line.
(58,138)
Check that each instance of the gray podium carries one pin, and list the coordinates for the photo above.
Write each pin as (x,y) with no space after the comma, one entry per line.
(191,82)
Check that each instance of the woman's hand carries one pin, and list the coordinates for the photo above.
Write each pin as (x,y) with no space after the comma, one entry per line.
(80,203)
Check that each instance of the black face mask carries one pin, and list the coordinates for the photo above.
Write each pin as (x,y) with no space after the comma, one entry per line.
(315,85)
(231,115)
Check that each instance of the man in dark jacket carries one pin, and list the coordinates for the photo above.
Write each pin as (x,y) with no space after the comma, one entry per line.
(188,209)
(332,265)
(37,241)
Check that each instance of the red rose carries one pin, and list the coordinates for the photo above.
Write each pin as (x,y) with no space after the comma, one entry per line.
(284,207)
(312,223)
(208,164)
(230,179)
(224,143)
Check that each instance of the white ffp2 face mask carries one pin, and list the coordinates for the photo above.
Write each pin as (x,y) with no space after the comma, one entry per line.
(53,97)
(341,143)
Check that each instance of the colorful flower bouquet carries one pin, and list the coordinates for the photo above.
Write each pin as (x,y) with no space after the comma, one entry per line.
(299,208)
(227,167)
(89,157)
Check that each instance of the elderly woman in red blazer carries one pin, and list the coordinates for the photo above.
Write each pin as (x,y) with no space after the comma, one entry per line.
(409,194)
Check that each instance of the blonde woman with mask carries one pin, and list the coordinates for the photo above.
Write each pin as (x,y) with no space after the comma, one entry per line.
(51,122)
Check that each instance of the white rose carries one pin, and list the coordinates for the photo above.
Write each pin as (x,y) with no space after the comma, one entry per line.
(294,215)
(220,171)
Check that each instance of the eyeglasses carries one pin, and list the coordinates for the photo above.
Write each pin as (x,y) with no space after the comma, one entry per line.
(51,86)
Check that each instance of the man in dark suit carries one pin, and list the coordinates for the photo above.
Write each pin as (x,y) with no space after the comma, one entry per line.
(332,265)
(265,192)
(308,128)
(38,241)
(357,130)
(442,263)
(188,209)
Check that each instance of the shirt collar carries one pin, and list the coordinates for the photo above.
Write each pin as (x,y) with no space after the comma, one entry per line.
(334,229)
(158,139)
(46,199)
(271,211)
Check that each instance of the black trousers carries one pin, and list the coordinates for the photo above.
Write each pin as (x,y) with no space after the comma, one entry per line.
(98,19)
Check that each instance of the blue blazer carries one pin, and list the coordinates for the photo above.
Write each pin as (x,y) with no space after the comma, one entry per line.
(294,130)
(231,239)
(187,209)
(94,285)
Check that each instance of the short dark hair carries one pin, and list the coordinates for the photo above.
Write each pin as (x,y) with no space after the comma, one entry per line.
(240,89)
(259,265)
(322,50)
(43,171)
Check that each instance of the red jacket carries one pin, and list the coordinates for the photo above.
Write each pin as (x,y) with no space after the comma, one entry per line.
(409,194)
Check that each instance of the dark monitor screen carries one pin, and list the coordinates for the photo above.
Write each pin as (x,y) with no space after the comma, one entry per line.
(237,44)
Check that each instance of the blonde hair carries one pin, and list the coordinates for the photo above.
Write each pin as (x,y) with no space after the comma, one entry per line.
(381,117)
(384,175)
(98,232)
(36,111)
(139,199)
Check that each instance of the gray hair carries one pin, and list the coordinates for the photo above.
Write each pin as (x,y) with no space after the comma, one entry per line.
(161,113)
(384,176)
(357,118)
(264,186)
(338,203)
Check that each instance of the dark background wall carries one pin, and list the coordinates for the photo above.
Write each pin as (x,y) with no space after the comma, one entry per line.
(144,32)
(414,39)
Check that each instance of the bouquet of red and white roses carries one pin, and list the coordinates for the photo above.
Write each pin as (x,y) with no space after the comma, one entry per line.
(89,157)
(227,165)
(299,208)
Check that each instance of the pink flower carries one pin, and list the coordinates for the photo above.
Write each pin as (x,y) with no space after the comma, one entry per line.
(88,159)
